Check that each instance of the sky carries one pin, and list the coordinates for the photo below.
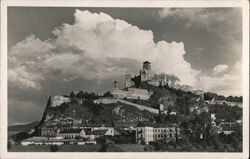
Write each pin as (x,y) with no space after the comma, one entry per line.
(53,51)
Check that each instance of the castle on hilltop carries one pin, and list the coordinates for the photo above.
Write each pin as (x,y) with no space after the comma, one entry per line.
(132,84)
(147,75)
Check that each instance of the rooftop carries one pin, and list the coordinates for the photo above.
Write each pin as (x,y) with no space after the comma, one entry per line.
(96,132)
(46,139)
(70,131)
(146,62)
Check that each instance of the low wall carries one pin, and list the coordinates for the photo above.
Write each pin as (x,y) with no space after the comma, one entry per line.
(141,107)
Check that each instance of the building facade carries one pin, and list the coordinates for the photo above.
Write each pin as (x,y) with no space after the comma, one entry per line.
(58,100)
(148,133)
(130,93)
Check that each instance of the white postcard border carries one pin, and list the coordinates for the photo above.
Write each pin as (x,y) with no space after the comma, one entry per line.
(124,3)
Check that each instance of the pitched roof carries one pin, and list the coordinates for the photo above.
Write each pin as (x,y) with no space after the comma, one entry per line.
(96,132)
(70,131)
(116,132)
(146,62)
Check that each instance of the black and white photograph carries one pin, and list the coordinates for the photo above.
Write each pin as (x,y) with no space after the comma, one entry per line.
(105,79)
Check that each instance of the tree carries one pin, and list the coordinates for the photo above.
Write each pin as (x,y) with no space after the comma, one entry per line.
(54,148)
(103,148)
(108,94)
(72,95)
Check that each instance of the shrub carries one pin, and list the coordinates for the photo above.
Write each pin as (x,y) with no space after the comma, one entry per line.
(54,148)
(103,148)
(149,148)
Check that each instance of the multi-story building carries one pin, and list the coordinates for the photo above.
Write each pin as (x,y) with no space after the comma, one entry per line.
(165,133)
(71,133)
(58,100)
(49,131)
(130,93)
(144,133)
(149,133)
(128,81)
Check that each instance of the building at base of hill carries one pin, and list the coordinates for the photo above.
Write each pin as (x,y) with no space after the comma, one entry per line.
(153,133)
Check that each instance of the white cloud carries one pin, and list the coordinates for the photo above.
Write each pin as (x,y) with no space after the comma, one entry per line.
(220,69)
(91,48)
(99,48)
(229,83)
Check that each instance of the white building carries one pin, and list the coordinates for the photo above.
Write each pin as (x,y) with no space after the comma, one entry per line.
(71,133)
(58,100)
(105,100)
(38,140)
(131,93)
(148,133)
(144,133)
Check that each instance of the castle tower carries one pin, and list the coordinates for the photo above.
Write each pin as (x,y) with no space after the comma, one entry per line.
(115,87)
(146,73)
(146,65)
(127,80)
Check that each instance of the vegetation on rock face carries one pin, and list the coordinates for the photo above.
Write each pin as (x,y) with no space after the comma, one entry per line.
(86,95)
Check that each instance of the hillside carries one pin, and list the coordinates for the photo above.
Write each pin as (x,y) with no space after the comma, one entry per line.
(84,113)
(15,129)
(23,127)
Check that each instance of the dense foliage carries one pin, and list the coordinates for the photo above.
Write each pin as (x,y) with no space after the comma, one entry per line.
(226,112)
(210,96)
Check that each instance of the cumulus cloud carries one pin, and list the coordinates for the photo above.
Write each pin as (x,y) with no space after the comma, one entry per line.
(222,79)
(229,83)
(93,48)
(220,69)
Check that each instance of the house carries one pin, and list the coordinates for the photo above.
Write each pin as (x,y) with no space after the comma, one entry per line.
(164,132)
(227,127)
(130,93)
(144,133)
(158,132)
(94,134)
(49,130)
(71,133)
(58,100)
(38,140)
